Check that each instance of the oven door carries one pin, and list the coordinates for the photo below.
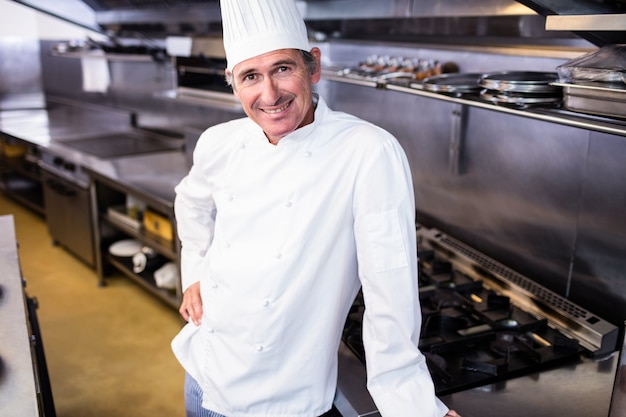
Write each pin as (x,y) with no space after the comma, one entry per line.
(67,210)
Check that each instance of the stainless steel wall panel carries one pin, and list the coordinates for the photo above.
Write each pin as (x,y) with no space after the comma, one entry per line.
(20,73)
(63,76)
(134,84)
(599,273)
(518,195)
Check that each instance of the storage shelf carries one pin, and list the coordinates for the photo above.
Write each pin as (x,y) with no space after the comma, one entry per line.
(112,224)
(163,246)
(24,190)
(146,280)
(107,56)
(550,114)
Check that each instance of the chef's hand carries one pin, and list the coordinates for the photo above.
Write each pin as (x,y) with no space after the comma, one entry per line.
(191,307)
(452,413)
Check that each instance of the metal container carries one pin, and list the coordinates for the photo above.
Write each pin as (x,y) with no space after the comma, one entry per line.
(595,98)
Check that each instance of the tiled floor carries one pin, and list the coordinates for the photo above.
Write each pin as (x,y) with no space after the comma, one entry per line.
(107,348)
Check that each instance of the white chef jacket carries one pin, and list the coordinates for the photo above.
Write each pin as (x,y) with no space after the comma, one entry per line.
(281,237)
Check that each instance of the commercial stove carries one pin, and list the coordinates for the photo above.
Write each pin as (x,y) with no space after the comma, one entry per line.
(483,324)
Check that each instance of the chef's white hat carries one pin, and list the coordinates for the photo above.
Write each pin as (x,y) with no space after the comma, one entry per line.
(255,27)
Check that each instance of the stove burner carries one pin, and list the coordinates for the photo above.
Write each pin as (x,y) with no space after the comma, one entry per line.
(505,344)
(472,335)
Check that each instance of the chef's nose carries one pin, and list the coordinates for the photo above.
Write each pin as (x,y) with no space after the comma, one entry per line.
(271,93)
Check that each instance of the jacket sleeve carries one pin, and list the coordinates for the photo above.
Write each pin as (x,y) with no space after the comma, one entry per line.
(194,209)
(384,207)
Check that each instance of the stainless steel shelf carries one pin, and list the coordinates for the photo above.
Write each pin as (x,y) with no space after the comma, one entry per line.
(107,56)
(147,282)
(163,246)
(550,114)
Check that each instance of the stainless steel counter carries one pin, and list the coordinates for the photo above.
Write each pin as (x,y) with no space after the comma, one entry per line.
(63,127)
(92,137)
(18,389)
(152,176)
(61,120)
(581,390)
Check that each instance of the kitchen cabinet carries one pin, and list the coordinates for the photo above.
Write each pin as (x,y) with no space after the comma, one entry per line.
(67,215)
(113,223)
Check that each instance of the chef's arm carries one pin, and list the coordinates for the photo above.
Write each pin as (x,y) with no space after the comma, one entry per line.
(195,220)
(195,229)
(398,377)
(195,226)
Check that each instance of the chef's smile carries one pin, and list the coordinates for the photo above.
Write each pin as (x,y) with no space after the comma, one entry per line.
(276,111)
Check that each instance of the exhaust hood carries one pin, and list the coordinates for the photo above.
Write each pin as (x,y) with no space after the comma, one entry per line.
(188,17)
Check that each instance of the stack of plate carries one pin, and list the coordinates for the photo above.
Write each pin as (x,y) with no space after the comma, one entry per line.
(521,88)
(453,84)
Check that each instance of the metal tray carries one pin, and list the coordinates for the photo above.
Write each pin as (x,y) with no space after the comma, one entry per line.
(453,83)
(595,98)
(520,81)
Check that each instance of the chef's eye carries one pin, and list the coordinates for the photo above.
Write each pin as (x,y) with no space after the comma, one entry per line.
(283,71)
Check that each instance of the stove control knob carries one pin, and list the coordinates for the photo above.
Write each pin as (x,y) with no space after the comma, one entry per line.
(57,160)
(70,166)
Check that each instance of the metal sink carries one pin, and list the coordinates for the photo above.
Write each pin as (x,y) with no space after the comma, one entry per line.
(113,145)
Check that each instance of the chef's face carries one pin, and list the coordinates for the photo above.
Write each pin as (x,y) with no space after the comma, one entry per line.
(275,90)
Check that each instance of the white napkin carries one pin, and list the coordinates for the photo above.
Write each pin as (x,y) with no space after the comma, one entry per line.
(96,75)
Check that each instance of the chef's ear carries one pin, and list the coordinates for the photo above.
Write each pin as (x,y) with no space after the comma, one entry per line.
(316,69)
(228,75)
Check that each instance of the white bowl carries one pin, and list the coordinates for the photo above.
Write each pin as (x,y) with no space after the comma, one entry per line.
(125,248)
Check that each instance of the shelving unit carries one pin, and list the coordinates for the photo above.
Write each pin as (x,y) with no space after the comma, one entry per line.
(20,177)
(110,227)
(546,113)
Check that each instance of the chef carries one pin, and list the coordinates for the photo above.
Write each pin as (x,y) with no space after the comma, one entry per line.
(283,216)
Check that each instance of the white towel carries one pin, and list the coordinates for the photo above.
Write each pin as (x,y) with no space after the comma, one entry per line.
(96,75)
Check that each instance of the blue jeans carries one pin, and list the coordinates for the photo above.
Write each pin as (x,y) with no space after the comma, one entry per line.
(193,400)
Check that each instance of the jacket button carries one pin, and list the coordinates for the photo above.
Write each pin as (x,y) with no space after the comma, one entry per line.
(258,348)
